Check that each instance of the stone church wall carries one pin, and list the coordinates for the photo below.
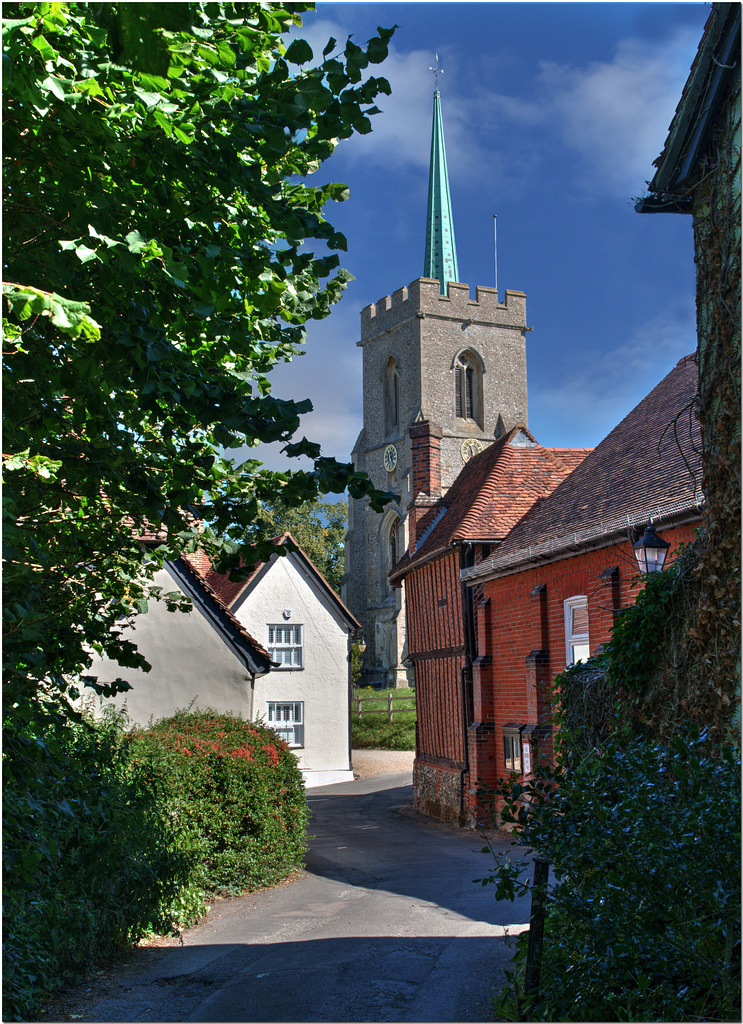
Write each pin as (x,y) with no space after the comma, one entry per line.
(424,332)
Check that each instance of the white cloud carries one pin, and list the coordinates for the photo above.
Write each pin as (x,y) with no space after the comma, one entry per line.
(615,114)
(611,116)
(330,376)
(401,133)
(599,387)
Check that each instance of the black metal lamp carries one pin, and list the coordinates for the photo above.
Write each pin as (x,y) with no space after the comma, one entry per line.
(650,550)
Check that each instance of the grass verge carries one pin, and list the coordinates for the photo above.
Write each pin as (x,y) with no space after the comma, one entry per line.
(373,731)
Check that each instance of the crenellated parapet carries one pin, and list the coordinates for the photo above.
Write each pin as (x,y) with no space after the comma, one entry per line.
(423,297)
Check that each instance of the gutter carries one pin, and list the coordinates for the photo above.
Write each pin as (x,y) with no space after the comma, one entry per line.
(661,202)
(398,575)
(693,120)
(571,544)
(222,620)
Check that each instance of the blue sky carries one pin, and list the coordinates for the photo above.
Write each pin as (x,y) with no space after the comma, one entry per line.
(553,115)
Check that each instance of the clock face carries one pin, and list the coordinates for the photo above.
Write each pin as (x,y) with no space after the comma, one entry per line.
(470,448)
(390,457)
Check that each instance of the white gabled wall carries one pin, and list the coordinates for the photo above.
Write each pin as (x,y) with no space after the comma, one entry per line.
(322,684)
(190,663)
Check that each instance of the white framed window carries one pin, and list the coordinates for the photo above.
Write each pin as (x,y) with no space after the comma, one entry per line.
(577,645)
(285,645)
(512,753)
(287,719)
(512,747)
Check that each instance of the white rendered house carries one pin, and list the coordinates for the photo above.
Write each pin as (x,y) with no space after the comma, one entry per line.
(275,647)
(289,607)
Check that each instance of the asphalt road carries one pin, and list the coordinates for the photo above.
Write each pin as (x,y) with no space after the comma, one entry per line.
(384,924)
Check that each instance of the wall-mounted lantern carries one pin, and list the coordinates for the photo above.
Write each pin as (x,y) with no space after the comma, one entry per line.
(650,550)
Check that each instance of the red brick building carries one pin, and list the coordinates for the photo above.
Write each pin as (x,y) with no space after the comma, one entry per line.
(447,534)
(521,570)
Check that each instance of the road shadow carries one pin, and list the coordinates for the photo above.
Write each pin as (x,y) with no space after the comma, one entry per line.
(436,978)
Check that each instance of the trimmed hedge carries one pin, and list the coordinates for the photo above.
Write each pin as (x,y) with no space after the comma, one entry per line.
(91,859)
(109,835)
(237,786)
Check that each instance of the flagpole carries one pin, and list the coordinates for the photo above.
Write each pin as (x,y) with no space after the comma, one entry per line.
(495,248)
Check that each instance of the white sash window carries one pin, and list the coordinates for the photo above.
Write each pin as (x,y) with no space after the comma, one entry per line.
(285,646)
(577,645)
(287,719)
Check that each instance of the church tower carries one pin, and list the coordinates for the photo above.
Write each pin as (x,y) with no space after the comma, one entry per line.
(442,365)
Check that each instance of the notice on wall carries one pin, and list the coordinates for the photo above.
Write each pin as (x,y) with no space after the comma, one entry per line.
(527,758)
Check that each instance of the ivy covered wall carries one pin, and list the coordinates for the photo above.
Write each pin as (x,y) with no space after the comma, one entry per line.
(717,240)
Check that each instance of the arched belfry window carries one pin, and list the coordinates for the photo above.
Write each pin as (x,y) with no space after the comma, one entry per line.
(464,383)
(389,550)
(468,370)
(391,396)
(392,543)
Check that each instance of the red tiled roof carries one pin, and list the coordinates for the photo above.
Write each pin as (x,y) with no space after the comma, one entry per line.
(519,478)
(220,583)
(228,591)
(653,457)
(189,561)
(492,493)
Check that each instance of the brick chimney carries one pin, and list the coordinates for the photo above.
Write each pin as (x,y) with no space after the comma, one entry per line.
(425,440)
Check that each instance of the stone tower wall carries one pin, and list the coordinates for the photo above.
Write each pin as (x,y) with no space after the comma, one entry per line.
(424,332)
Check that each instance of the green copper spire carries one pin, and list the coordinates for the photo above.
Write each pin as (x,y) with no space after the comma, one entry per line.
(441,250)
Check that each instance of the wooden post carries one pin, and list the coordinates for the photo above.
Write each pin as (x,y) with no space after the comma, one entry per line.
(536,925)
(389,707)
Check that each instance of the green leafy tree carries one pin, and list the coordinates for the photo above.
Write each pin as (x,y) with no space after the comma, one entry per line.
(157,210)
(319,527)
(643,914)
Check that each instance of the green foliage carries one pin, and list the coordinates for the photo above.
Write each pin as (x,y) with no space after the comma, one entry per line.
(585,705)
(91,859)
(113,835)
(373,731)
(656,666)
(319,527)
(640,632)
(158,239)
(236,786)
(644,915)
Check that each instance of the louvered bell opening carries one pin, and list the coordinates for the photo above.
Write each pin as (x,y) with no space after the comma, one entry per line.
(469,378)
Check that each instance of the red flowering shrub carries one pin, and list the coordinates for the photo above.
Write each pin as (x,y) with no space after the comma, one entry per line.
(238,786)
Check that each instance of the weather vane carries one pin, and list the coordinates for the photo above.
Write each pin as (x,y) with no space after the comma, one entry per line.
(436,72)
